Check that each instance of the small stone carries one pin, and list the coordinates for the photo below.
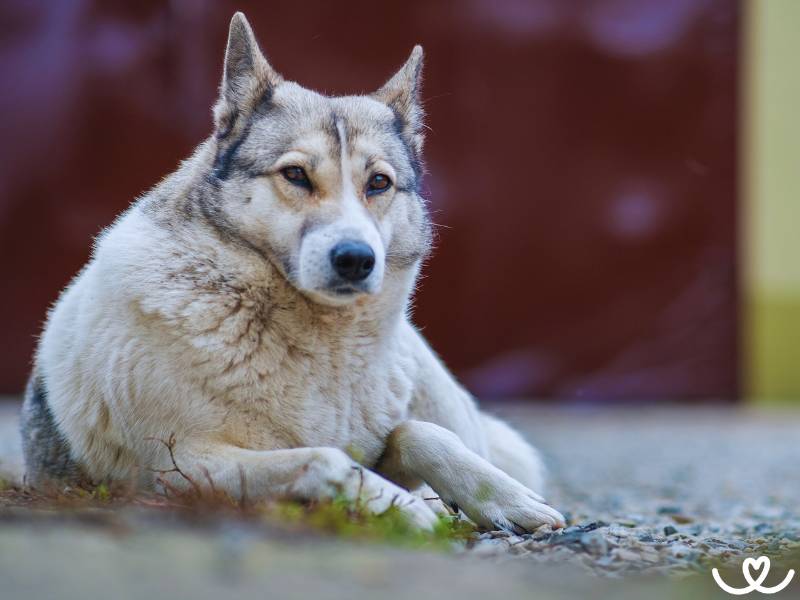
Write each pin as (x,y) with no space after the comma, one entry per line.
(682,519)
(669,510)
(490,547)
(623,533)
(626,522)
(606,561)
(650,555)
(593,525)
(543,531)
(670,530)
(696,529)
(595,543)
(518,549)
(682,551)
(571,537)
(626,555)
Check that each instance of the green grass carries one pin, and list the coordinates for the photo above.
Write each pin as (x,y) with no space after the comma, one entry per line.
(343,519)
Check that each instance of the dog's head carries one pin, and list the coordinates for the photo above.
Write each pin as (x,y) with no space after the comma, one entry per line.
(327,188)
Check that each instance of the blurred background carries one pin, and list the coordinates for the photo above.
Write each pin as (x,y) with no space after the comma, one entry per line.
(614,178)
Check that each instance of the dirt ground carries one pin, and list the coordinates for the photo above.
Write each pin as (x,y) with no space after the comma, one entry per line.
(655,498)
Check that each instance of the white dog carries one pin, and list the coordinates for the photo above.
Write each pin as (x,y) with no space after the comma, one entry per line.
(255,306)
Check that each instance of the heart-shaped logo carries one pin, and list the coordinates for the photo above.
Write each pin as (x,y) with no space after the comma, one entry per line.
(759,566)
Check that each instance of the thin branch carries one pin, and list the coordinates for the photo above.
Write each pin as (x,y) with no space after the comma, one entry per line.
(360,470)
(210,481)
(242,487)
(378,497)
(170,445)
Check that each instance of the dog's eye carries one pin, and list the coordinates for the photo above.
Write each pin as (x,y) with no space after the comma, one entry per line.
(378,183)
(297,176)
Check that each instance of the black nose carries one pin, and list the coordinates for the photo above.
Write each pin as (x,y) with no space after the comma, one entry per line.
(353,261)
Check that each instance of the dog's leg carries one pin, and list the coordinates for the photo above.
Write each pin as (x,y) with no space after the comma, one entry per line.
(299,473)
(474,448)
(432,499)
(486,494)
(511,453)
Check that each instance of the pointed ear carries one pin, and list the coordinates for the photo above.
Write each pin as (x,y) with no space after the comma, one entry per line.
(247,77)
(401,94)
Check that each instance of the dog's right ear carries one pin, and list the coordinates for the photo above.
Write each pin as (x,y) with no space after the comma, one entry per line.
(247,79)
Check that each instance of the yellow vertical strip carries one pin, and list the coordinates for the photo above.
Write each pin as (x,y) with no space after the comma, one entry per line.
(770,159)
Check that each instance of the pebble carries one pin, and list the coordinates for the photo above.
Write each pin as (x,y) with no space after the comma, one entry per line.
(626,555)
(626,522)
(594,542)
(568,537)
(489,547)
(669,510)
(681,551)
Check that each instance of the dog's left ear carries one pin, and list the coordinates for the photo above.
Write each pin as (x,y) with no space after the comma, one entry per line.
(401,94)
(247,79)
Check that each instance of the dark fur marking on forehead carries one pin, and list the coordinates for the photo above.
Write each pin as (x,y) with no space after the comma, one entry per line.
(331,129)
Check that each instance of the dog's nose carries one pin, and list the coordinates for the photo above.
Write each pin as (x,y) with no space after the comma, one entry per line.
(352,260)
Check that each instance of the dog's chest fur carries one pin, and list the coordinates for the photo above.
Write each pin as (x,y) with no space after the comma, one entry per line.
(271,369)
(281,385)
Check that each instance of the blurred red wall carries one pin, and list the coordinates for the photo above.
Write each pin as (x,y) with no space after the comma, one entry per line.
(582,160)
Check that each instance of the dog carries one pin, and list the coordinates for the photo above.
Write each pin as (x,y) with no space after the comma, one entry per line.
(253,308)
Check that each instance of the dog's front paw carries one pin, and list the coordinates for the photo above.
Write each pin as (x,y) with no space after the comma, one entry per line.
(332,474)
(377,495)
(501,502)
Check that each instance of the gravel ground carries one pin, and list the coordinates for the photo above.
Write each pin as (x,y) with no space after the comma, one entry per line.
(647,493)
(662,491)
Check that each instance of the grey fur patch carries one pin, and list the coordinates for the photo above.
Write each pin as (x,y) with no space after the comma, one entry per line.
(226,160)
(48,458)
(331,129)
(399,129)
